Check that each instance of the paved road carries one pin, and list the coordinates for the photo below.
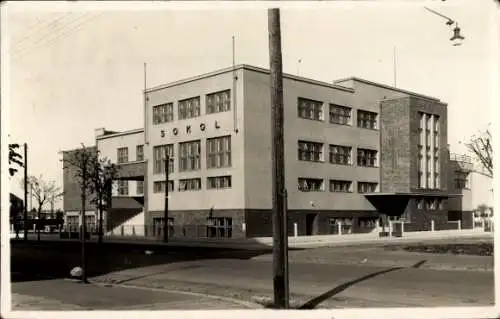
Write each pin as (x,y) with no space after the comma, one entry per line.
(67,295)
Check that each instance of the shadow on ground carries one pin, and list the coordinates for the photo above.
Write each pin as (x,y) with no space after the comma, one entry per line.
(44,260)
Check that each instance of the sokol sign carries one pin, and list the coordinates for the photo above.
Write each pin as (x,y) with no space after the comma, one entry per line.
(175,130)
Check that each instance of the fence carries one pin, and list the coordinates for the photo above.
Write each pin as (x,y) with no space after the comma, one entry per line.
(177,231)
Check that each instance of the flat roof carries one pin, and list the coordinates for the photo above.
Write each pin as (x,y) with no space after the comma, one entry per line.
(413,194)
(353,78)
(134,131)
(250,68)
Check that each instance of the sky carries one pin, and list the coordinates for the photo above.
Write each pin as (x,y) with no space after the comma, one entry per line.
(74,67)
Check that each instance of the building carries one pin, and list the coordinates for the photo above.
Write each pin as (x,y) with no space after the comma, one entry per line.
(357,153)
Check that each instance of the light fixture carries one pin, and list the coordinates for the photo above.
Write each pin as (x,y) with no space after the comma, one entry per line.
(457,37)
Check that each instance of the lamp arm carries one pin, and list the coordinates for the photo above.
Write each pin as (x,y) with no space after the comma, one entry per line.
(450,21)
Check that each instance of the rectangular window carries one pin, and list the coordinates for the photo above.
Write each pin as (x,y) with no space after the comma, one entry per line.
(189,156)
(218,102)
(122,155)
(420,180)
(340,114)
(159,157)
(437,181)
(436,124)
(311,185)
(122,188)
(159,186)
(428,179)
(431,204)
(367,157)
(461,181)
(219,152)
(310,151)
(310,109)
(339,186)
(139,153)
(340,154)
(367,119)
(219,227)
(420,203)
(218,182)
(191,184)
(189,108)
(140,187)
(163,113)
(367,187)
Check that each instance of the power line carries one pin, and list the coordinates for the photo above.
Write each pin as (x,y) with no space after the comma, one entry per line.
(61,36)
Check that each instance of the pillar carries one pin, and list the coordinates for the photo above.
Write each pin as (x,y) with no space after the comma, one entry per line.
(432,225)
(295,229)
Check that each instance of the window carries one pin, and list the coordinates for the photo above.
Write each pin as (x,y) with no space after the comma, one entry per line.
(219,227)
(159,186)
(340,114)
(122,155)
(310,151)
(436,124)
(159,156)
(367,157)
(367,187)
(218,102)
(367,119)
(340,154)
(420,180)
(218,182)
(311,184)
(191,184)
(219,152)
(189,108)
(428,179)
(339,186)
(431,204)
(436,141)
(140,187)
(163,113)
(139,153)
(440,204)
(189,156)
(420,203)
(310,109)
(122,187)
(420,163)
(462,181)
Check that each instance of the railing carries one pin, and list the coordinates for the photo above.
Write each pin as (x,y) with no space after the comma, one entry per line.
(461,158)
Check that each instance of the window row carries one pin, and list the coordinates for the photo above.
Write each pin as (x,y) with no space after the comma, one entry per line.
(218,154)
(337,186)
(338,154)
(338,114)
(189,108)
(123,189)
(193,184)
(216,227)
(430,203)
(122,154)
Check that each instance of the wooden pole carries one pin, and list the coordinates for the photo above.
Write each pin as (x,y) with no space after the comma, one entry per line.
(165,223)
(84,164)
(278,165)
(25,211)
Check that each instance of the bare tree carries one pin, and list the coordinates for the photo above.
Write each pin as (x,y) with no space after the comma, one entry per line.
(481,147)
(43,192)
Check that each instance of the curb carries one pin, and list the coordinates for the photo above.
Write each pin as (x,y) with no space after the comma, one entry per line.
(246,304)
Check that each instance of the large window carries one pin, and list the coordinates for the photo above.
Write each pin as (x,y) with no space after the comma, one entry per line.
(163,113)
(310,151)
(218,182)
(340,186)
(159,156)
(340,154)
(191,184)
(122,155)
(367,157)
(122,187)
(139,153)
(140,187)
(219,227)
(310,109)
(189,156)
(367,119)
(311,184)
(340,114)
(159,186)
(218,102)
(462,180)
(219,152)
(189,108)
(367,187)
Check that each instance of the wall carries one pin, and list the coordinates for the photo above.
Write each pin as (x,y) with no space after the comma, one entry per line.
(204,199)
(72,192)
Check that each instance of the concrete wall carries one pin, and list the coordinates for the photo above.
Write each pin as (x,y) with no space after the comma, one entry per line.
(218,124)
(72,190)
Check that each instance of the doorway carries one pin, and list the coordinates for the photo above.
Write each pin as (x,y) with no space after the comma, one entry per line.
(310,218)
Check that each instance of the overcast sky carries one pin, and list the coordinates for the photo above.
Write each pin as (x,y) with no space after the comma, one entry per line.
(75,67)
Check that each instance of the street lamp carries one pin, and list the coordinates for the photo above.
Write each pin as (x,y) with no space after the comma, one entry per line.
(457,38)
(165,213)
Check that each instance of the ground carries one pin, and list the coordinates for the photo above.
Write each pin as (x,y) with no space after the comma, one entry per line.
(362,275)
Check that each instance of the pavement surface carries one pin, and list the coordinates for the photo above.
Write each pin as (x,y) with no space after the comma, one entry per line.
(335,277)
(71,295)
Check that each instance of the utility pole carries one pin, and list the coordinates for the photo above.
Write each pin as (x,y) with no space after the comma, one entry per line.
(84,226)
(165,213)
(25,192)
(280,259)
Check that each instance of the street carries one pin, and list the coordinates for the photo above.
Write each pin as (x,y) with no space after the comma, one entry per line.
(357,276)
